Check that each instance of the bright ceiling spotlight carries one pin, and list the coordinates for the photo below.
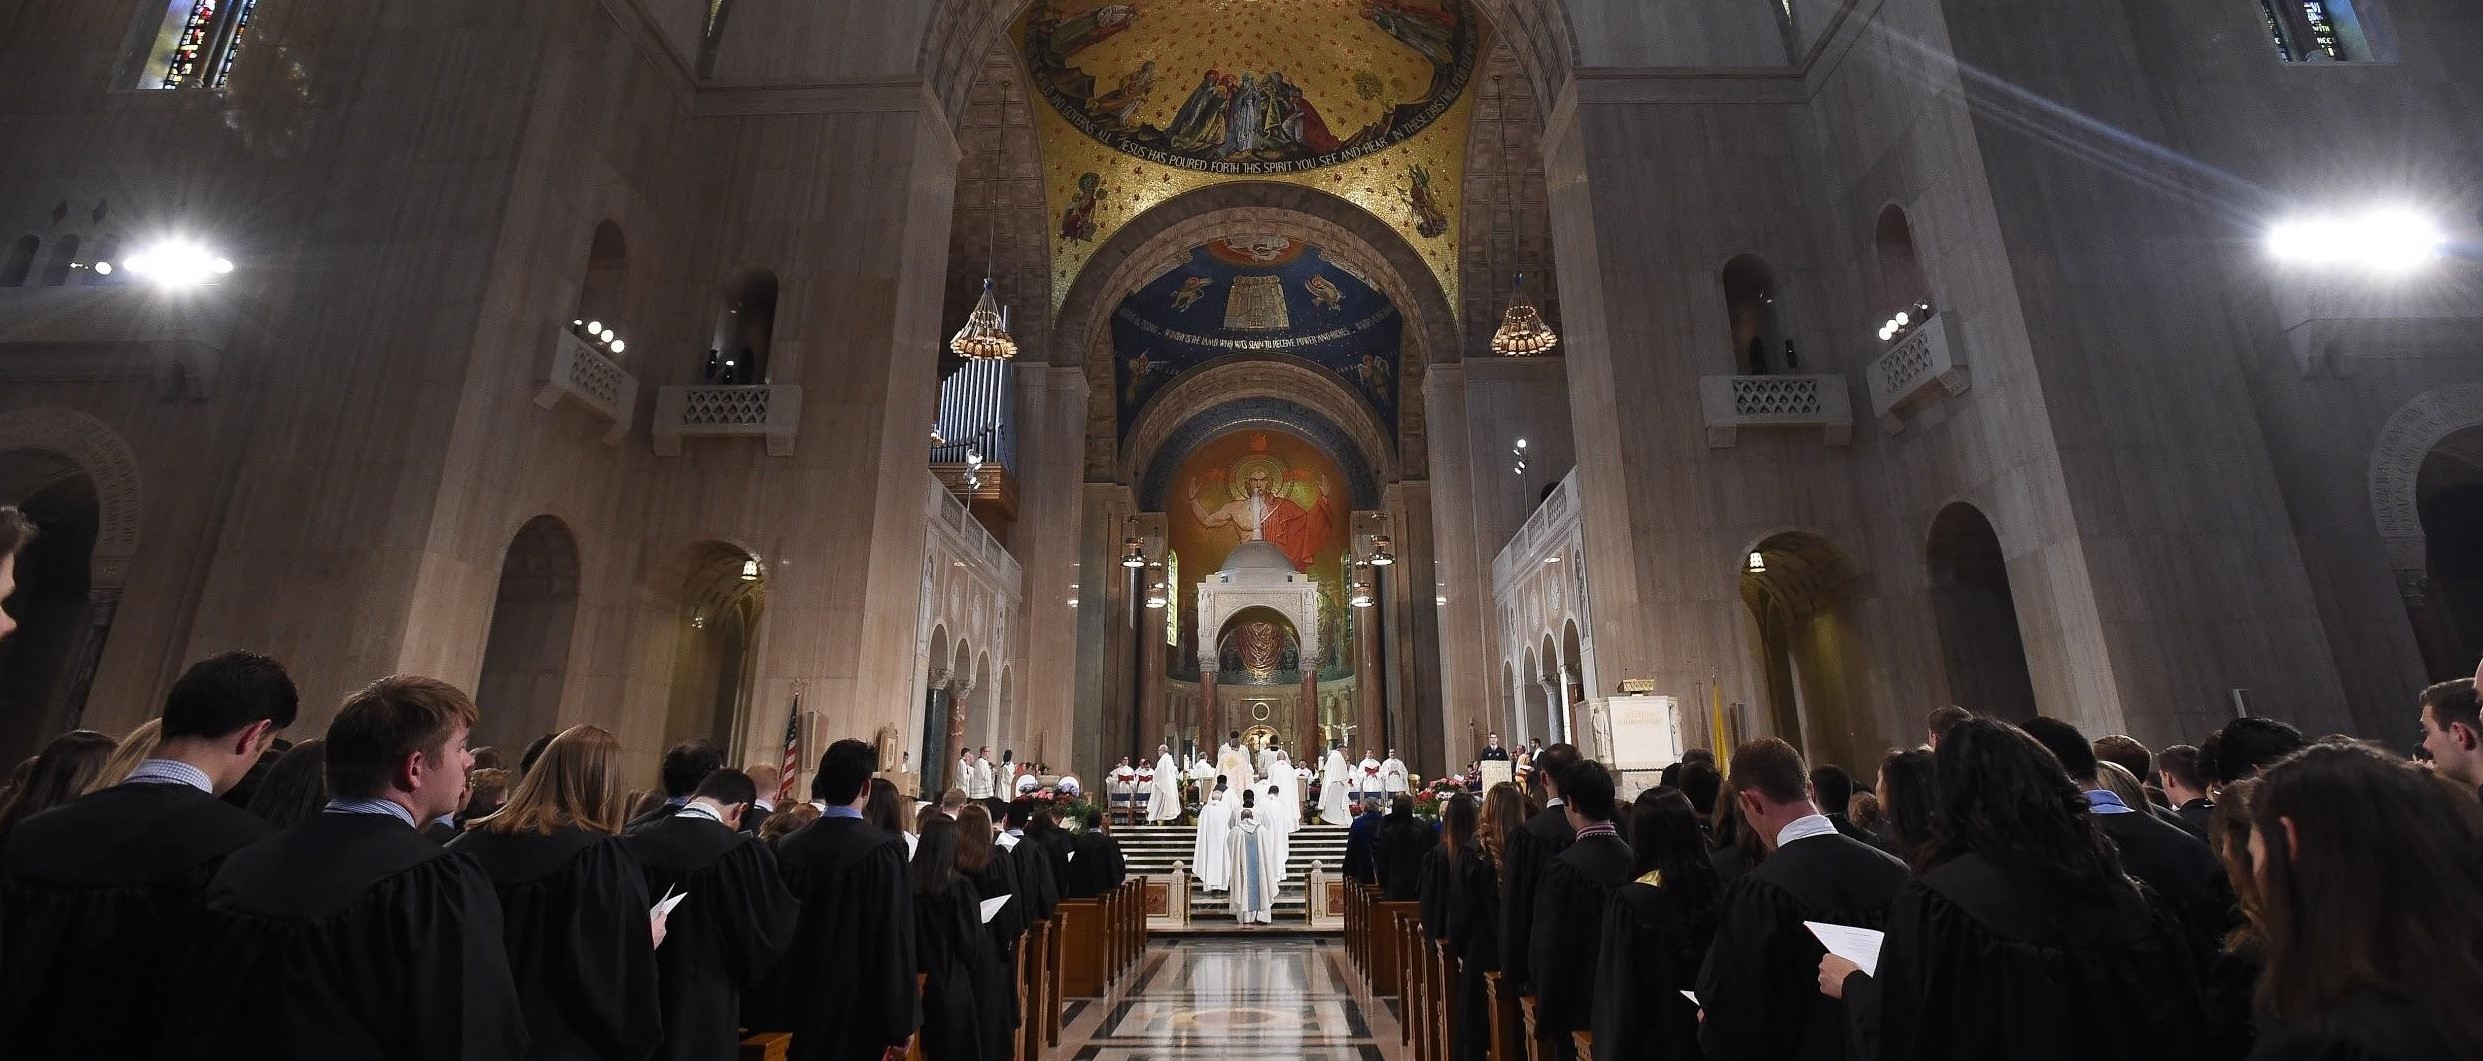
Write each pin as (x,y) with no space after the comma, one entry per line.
(619,345)
(177,263)
(2385,239)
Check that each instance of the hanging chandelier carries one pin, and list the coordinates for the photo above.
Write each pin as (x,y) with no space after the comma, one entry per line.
(986,334)
(1522,330)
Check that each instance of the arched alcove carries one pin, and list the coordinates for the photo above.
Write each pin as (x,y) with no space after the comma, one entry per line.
(1812,667)
(2449,499)
(603,292)
(1901,279)
(745,331)
(526,652)
(722,598)
(1573,664)
(47,665)
(1980,644)
(1755,319)
(63,258)
(18,266)
(938,673)
(1513,723)
(1536,722)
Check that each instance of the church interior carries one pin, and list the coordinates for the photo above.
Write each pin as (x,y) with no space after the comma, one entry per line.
(1070,377)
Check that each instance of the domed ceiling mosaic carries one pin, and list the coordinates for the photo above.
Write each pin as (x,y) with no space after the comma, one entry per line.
(1143,100)
(1264,296)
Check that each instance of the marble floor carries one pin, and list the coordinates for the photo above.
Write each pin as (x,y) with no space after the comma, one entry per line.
(1235,1000)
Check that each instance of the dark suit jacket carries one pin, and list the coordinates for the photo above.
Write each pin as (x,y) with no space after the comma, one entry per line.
(1362,848)
(2177,866)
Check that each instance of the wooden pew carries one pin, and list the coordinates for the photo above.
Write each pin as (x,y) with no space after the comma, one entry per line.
(1388,965)
(1534,1046)
(1080,925)
(765,1046)
(1508,1028)
(1030,987)
(914,1044)
(1586,1045)
(1409,934)
(1444,1003)
(1053,997)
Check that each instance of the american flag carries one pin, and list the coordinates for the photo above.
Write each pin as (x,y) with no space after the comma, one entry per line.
(793,753)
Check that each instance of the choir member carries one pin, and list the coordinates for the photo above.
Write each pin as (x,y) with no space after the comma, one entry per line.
(1099,866)
(734,920)
(573,904)
(1546,835)
(2025,939)
(94,894)
(1569,906)
(2452,721)
(357,890)
(994,876)
(1474,914)
(845,988)
(2373,903)
(1656,931)
(1403,841)
(2176,866)
(1908,797)
(61,773)
(949,948)
(685,765)
(1759,987)
(1033,862)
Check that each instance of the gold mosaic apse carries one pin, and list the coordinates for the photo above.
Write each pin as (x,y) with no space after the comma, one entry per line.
(1368,100)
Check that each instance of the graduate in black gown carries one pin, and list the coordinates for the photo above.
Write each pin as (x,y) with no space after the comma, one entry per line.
(1034,862)
(1545,836)
(1099,866)
(2372,901)
(2177,867)
(685,765)
(982,862)
(376,942)
(573,904)
(2230,986)
(2023,939)
(1474,916)
(736,920)
(1404,842)
(1656,932)
(91,893)
(1569,907)
(949,947)
(845,988)
(1759,988)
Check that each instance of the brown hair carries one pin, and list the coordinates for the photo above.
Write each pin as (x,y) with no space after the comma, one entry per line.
(2228,834)
(784,822)
(60,774)
(135,748)
(1771,768)
(974,843)
(576,785)
(15,531)
(1504,813)
(387,721)
(2371,889)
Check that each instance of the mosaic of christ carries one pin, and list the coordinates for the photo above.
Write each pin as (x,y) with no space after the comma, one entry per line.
(1267,86)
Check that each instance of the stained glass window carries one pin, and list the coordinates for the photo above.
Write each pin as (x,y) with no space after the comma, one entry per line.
(202,37)
(2315,29)
(2323,31)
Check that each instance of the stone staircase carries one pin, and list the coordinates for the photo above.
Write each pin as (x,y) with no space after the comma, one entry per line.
(1151,851)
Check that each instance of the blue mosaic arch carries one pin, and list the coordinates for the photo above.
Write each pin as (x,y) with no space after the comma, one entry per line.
(1361,484)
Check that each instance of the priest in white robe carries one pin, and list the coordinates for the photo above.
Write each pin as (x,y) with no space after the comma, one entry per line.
(1250,848)
(1282,817)
(1209,857)
(1335,779)
(1288,785)
(1366,776)
(1233,764)
(1164,793)
(1392,774)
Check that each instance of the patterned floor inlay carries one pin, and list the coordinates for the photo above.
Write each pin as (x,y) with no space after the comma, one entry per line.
(1235,1000)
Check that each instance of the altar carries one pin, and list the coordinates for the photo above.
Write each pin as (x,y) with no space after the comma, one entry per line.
(1258,622)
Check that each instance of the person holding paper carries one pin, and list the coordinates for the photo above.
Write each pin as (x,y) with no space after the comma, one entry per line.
(1366,778)
(734,916)
(1569,908)
(1656,931)
(1759,988)
(845,988)
(1392,774)
(574,903)
(950,948)
(2026,938)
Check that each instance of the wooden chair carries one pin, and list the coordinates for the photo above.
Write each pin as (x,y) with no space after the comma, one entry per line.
(765,1046)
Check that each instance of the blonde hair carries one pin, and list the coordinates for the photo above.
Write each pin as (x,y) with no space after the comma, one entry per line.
(576,785)
(2117,779)
(1504,812)
(135,748)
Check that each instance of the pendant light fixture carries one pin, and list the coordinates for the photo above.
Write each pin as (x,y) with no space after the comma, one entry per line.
(986,334)
(1522,330)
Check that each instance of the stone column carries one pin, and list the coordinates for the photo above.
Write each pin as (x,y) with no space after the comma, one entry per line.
(956,746)
(1210,714)
(1555,711)
(1151,649)
(1370,679)
(936,690)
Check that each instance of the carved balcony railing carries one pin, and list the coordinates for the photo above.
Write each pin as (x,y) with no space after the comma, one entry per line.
(772,411)
(1731,403)
(1918,368)
(597,382)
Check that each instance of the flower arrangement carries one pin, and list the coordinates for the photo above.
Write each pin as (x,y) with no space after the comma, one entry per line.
(1428,799)
(1073,807)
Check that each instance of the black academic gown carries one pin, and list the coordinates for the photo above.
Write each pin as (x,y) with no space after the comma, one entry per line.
(736,921)
(92,895)
(2196,816)
(1530,849)
(1099,867)
(845,988)
(1652,945)
(349,935)
(2185,876)
(1054,843)
(1568,927)
(996,987)
(662,811)
(1982,963)
(1402,844)
(1432,893)
(2366,1028)
(1759,987)
(948,939)
(573,908)
(1474,933)
(1034,877)
(2230,990)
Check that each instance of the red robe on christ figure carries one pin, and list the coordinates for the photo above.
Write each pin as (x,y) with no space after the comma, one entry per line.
(1264,513)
